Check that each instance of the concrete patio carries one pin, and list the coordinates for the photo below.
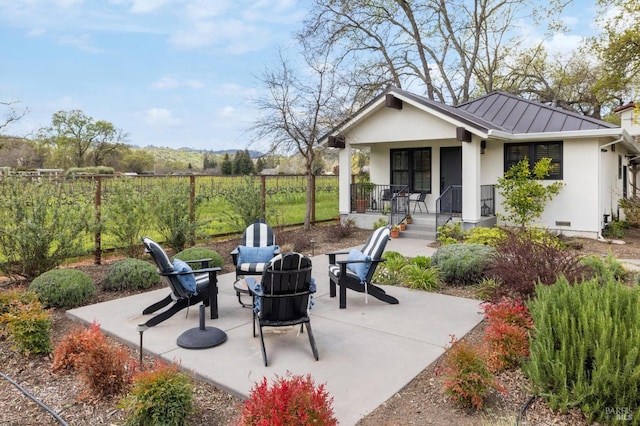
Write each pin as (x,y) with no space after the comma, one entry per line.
(368,352)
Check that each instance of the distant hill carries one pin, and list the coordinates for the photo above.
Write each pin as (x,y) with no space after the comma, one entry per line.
(231,152)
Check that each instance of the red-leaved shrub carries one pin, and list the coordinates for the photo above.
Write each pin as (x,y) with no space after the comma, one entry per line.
(104,368)
(507,333)
(74,344)
(524,259)
(468,379)
(291,400)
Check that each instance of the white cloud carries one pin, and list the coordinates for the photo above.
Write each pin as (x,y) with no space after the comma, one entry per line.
(160,117)
(67,3)
(227,111)
(147,6)
(563,43)
(172,83)
(82,42)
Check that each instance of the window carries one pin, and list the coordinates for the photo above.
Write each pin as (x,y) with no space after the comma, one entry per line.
(534,151)
(411,167)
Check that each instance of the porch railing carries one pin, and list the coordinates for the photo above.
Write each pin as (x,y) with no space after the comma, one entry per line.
(446,204)
(450,202)
(389,200)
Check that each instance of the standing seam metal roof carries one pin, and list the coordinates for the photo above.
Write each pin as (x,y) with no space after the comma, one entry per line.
(517,115)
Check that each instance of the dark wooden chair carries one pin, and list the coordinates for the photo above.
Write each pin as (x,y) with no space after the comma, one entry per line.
(355,272)
(283,297)
(258,246)
(205,289)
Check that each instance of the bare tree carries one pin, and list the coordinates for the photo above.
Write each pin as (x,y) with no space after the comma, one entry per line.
(11,116)
(449,48)
(297,109)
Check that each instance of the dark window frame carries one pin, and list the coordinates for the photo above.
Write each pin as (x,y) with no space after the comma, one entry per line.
(410,167)
(531,153)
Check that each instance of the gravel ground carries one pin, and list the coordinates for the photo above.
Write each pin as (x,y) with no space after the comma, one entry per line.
(421,402)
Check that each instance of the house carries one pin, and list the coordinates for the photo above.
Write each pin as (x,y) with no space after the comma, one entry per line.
(455,154)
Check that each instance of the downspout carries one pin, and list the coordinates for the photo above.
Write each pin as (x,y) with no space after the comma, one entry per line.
(599,236)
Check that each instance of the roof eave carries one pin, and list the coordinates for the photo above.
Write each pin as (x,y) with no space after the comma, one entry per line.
(614,133)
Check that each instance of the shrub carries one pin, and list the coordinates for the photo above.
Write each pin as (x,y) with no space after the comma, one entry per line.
(450,234)
(63,288)
(422,278)
(171,212)
(28,327)
(605,269)
(380,223)
(197,253)
(462,264)
(507,333)
(72,346)
(487,288)
(342,230)
(161,396)
(105,369)
(125,214)
(130,274)
(520,263)
(388,272)
(631,206)
(467,378)
(422,261)
(12,298)
(288,400)
(585,351)
(41,225)
(483,235)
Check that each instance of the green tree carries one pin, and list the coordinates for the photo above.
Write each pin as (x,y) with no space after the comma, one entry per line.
(242,163)
(525,197)
(73,135)
(619,44)
(226,168)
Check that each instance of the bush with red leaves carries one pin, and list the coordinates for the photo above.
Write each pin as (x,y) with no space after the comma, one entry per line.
(521,262)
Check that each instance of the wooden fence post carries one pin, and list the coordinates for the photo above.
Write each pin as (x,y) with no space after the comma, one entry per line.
(97,253)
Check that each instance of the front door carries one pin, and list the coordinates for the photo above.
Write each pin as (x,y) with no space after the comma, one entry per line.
(451,174)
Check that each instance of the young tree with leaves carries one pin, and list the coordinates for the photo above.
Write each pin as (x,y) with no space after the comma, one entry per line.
(525,196)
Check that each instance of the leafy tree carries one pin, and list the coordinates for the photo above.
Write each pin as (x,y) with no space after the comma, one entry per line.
(73,135)
(209,161)
(226,168)
(524,195)
(619,44)
(108,142)
(136,161)
(242,163)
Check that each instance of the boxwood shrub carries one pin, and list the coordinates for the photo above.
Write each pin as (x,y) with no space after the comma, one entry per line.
(63,288)
(197,253)
(130,274)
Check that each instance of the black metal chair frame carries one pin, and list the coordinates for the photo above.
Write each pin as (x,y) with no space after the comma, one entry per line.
(284,299)
(206,280)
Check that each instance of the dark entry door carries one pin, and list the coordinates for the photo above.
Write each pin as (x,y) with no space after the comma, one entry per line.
(451,174)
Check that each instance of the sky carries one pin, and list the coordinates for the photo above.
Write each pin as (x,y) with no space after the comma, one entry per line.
(171,73)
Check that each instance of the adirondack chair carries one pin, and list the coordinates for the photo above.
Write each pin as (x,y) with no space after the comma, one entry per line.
(282,297)
(356,271)
(187,286)
(257,248)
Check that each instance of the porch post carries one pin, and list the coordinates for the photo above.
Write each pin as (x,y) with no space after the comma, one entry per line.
(344,161)
(471,176)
